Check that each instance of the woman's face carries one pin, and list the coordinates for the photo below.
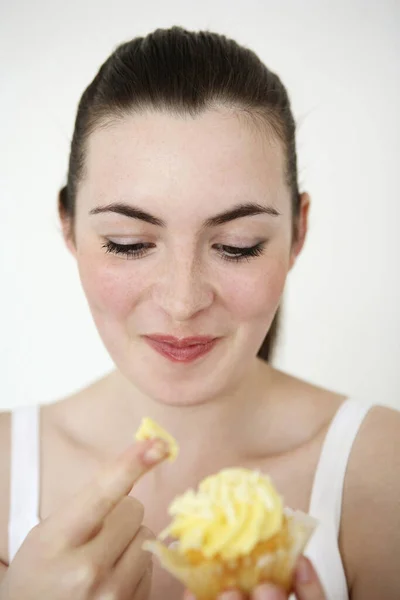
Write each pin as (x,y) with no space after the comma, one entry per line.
(183,230)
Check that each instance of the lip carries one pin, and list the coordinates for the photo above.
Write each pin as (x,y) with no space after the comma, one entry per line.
(182,350)
(181,342)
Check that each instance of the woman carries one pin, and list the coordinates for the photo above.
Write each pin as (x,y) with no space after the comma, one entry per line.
(183,212)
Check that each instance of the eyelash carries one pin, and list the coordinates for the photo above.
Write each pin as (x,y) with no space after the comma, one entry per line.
(228,253)
(128,250)
(235,254)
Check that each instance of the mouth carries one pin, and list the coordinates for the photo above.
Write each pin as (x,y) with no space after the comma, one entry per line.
(182,350)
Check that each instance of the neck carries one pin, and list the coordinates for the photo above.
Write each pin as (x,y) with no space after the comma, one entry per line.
(220,418)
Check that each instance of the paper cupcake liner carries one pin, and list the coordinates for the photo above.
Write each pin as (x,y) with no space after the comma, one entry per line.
(273,561)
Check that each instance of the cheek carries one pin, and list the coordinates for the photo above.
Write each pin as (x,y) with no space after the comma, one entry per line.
(110,290)
(256,293)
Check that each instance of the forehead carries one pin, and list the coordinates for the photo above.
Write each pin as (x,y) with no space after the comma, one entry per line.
(214,156)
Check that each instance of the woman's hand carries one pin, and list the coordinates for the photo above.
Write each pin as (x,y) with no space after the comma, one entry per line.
(307,586)
(92,549)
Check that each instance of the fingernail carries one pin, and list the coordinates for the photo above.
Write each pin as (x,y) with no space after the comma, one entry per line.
(304,571)
(267,591)
(157,451)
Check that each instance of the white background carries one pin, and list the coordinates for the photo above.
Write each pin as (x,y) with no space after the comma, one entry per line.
(340,63)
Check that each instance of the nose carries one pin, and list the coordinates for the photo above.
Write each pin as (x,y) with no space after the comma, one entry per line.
(182,290)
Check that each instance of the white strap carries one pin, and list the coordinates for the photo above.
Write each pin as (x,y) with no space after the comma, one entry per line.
(327,491)
(24,481)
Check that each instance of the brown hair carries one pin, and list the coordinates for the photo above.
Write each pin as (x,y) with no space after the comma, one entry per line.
(185,73)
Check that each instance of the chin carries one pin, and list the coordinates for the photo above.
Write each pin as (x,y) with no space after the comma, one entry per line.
(182,400)
(219,373)
(186,385)
(192,391)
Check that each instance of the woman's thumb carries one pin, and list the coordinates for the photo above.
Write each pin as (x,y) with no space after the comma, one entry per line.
(307,584)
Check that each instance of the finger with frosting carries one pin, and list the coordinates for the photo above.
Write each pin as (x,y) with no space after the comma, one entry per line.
(149,430)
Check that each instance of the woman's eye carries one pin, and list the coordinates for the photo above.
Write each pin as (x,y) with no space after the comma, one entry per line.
(129,250)
(236,254)
(230,253)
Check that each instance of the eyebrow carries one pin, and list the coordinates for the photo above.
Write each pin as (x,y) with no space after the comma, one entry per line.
(237,212)
(128,211)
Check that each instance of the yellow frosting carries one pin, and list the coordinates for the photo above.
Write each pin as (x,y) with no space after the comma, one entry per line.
(228,516)
(149,430)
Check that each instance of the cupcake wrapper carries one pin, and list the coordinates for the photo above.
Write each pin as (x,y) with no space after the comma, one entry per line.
(207,579)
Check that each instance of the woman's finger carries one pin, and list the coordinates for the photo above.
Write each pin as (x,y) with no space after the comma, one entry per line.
(142,591)
(119,529)
(268,591)
(231,595)
(133,565)
(228,595)
(82,518)
(307,584)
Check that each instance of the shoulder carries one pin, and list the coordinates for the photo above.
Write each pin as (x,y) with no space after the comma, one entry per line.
(306,409)
(370,528)
(5,456)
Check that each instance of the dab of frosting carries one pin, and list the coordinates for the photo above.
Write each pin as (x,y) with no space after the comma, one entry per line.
(149,430)
(228,516)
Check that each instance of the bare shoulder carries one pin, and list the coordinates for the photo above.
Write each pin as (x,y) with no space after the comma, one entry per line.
(370,529)
(5,454)
(310,407)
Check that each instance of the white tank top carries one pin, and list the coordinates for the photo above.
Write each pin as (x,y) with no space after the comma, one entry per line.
(325,503)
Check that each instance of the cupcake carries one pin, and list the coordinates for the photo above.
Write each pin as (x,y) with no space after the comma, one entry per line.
(233,532)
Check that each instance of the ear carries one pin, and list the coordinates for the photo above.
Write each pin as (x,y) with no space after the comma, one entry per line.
(66,227)
(301,228)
